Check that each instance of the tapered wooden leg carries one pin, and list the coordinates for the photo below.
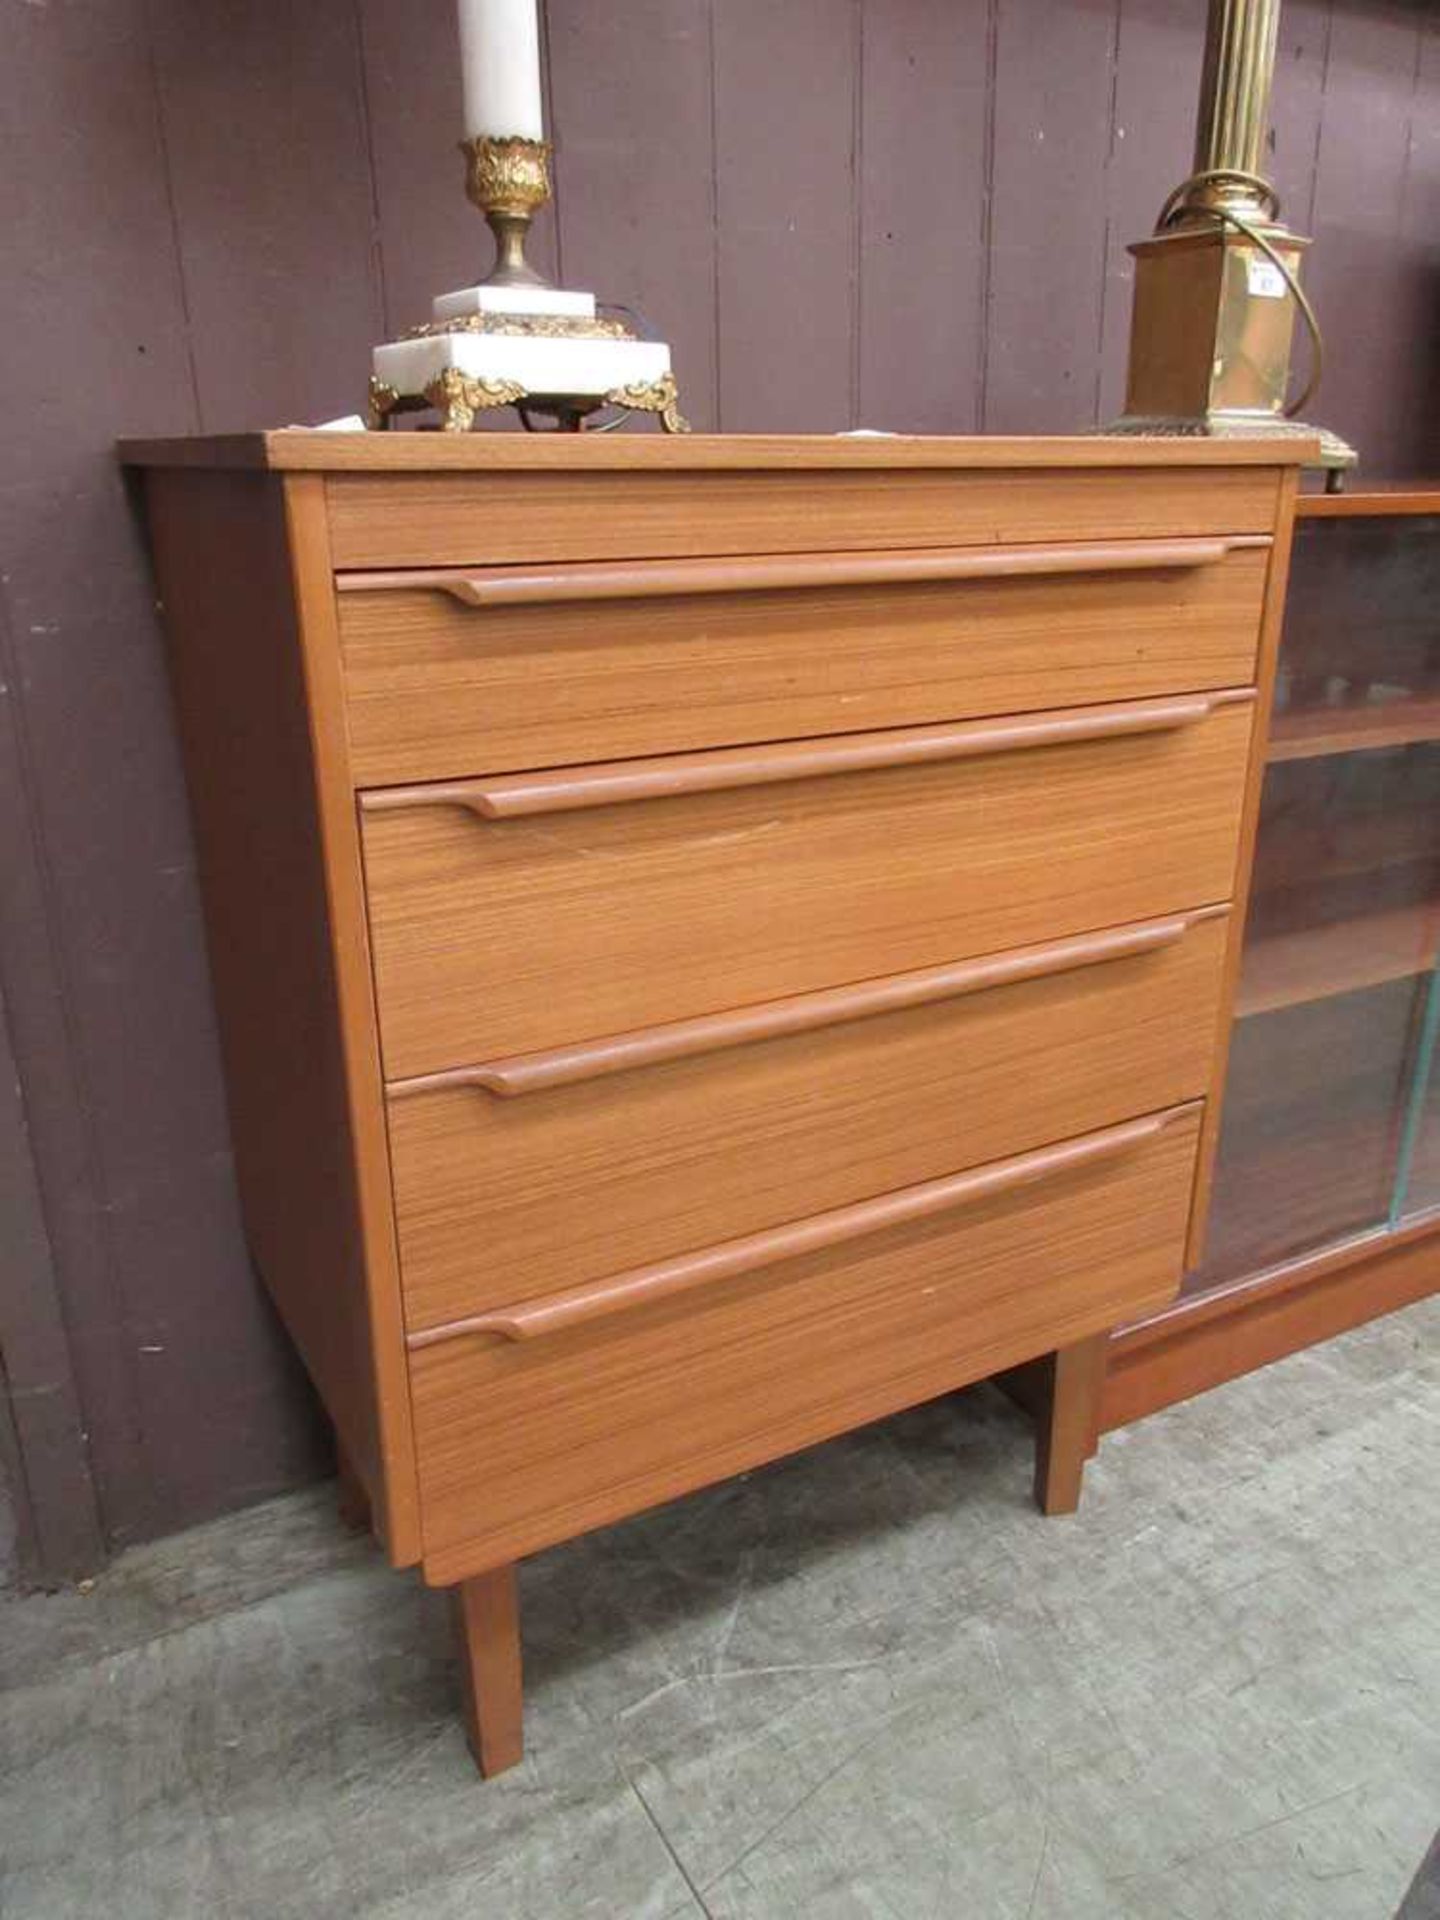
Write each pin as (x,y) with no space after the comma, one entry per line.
(351,1499)
(487,1611)
(1065,1430)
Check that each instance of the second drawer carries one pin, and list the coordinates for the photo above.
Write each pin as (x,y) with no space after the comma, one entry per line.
(524,1176)
(533,909)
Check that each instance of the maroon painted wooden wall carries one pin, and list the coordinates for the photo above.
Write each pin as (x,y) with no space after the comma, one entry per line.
(894,213)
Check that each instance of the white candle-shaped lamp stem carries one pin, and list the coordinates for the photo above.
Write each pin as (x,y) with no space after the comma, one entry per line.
(506,155)
(500,66)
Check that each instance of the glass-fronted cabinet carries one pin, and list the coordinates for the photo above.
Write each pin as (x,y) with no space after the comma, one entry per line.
(1330,1143)
(1325,1130)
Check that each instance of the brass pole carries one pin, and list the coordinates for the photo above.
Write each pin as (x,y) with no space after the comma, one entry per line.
(1234,117)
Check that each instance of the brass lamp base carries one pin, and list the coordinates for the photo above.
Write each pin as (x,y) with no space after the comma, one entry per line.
(1211,336)
(1336,456)
(1218,286)
(457,397)
(512,340)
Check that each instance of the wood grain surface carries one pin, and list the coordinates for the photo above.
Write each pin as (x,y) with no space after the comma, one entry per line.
(611,783)
(436,687)
(495,936)
(487,1615)
(525,1073)
(522,586)
(690,1274)
(246,584)
(1403,497)
(387,1465)
(499,1199)
(356,453)
(1066,1431)
(1203,1340)
(465,518)
(522,1444)
(738,1093)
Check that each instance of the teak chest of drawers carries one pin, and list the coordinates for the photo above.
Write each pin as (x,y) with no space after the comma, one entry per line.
(716,940)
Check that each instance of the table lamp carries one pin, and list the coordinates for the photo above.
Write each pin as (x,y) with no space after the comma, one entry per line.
(513,340)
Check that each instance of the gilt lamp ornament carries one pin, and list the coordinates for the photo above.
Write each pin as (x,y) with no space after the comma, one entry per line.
(513,340)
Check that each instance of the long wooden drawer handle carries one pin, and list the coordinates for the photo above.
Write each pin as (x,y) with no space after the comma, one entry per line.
(611,783)
(649,579)
(641,1286)
(801,1012)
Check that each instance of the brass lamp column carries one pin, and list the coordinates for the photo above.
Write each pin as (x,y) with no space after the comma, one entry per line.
(1217,287)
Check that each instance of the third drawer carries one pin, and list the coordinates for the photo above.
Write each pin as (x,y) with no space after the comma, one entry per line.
(528,1175)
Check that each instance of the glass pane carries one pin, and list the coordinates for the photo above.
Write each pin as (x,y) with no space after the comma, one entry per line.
(1323,1112)
(1314,1108)
(1418,1185)
(1346,886)
(1340,939)
(1360,659)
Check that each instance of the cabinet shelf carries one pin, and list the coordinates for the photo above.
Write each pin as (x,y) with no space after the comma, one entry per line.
(1307,733)
(1312,963)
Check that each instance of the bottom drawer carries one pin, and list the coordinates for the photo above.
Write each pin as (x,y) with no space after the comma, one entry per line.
(571,1411)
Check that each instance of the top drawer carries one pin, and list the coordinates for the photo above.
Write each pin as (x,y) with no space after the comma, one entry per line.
(449,672)
(488,518)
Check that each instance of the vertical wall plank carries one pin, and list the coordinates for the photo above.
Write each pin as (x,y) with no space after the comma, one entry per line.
(1297,113)
(429,237)
(1415,448)
(922,213)
(1356,273)
(785,99)
(82,723)
(188,1396)
(1297,105)
(44,1453)
(1152,138)
(265,131)
(632,107)
(1054,81)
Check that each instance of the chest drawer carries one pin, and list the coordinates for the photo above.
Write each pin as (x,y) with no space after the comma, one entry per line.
(561,1420)
(530,910)
(450,672)
(527,1175)
(505,514)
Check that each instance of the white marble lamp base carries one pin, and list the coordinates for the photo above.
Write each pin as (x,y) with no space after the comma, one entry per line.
(521,346)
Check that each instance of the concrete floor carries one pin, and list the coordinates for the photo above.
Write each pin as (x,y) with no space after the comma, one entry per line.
(869,1682)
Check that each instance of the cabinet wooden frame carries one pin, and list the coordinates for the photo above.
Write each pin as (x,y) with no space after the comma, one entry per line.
(246,578)
(1202,1340)
(261,547)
